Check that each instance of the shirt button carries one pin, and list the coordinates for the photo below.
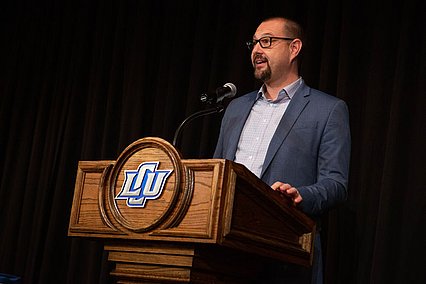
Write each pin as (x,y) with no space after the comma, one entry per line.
(250,157)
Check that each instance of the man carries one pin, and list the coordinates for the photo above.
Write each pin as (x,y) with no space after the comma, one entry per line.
(293,137)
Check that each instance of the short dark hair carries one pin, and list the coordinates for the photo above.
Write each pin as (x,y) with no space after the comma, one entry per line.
(294,29)
(291,27)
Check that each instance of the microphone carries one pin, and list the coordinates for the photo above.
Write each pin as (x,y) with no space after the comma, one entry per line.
(227,91)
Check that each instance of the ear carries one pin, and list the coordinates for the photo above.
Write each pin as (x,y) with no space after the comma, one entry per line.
(295,48)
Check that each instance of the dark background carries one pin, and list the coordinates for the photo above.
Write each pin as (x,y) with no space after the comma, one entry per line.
(81,80)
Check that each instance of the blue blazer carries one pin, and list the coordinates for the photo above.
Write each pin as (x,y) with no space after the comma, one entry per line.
(310,149)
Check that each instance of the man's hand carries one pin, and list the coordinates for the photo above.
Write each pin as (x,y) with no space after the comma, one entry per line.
(288,190)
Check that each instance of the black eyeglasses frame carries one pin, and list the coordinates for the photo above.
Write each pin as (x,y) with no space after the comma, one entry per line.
(251,43)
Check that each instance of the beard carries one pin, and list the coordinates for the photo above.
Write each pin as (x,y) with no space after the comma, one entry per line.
(263,75)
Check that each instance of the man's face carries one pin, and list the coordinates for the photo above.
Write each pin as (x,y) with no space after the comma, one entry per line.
(272,62)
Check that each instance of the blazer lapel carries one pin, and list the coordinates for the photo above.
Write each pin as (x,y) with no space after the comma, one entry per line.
(238,125)
(293,111)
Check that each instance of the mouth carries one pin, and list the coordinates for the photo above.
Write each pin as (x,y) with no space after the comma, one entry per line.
(259,61)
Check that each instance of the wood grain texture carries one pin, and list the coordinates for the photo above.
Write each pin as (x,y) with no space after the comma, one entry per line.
(209,210)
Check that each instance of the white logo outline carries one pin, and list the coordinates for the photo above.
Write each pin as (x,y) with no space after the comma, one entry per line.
(145,183)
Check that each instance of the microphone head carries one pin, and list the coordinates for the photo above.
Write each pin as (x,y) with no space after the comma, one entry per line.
(233,89)
(227,91)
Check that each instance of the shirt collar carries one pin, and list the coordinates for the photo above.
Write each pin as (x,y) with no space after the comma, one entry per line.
(287,92)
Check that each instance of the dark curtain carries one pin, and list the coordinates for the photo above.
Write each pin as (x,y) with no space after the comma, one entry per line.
(81,80)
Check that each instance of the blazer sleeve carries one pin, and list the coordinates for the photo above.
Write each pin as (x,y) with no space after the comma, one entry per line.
(333,164)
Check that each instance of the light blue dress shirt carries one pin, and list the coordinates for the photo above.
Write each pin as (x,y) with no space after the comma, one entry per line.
(260,126)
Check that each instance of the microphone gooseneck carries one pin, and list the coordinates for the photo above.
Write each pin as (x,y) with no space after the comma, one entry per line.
(216,109)
(226,91)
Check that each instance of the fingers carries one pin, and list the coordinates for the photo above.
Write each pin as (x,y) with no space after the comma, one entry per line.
(280,186)
(288,190)
(294,194)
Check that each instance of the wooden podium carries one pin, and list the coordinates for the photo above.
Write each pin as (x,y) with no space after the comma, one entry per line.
(164,219)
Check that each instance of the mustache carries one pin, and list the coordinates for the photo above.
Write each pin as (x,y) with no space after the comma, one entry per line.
(259,56)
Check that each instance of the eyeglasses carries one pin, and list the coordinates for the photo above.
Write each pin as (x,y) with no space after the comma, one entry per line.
(264,42)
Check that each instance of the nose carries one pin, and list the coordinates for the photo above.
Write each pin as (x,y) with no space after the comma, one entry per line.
(257,50)
(256,47)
